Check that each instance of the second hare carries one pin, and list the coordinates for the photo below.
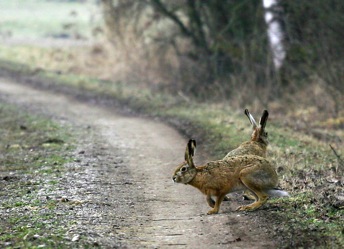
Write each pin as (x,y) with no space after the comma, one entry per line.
(218,178)
(259,138)
(256,146)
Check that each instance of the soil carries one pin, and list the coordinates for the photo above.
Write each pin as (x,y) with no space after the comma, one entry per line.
(121,180)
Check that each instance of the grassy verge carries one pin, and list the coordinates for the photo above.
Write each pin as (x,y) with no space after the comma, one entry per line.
(309,220)
(33,151)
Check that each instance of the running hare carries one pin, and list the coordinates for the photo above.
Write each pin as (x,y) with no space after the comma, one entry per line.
(218,178)
(259,138)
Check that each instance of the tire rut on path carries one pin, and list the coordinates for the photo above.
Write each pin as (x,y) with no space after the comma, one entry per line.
(148,208)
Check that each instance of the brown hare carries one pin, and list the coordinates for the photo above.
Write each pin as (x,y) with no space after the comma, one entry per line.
(256,146)
(259,138)
(218,178)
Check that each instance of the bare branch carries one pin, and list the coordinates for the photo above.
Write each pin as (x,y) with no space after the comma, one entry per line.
(162,9)
(340,160)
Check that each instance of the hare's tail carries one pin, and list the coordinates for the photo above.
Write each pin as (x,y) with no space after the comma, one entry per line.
(277,193)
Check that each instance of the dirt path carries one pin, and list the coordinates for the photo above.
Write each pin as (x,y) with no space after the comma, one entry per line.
(123,176)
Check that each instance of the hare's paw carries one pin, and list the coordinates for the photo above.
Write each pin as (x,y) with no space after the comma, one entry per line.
(213,211)
(248,207)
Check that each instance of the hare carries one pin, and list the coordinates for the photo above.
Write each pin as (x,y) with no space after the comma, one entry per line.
(256,146)
(218,178)
(259,138)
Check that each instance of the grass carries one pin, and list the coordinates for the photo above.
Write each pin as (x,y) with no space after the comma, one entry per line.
(318,223)
(28,219)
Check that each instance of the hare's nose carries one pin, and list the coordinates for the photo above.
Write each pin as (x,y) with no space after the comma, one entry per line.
(174,178)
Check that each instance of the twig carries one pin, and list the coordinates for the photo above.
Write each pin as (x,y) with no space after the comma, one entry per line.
(181,94)
(340,161)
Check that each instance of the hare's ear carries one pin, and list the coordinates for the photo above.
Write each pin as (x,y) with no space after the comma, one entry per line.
(190,152)
(250,117)
(192,147)
(264,119)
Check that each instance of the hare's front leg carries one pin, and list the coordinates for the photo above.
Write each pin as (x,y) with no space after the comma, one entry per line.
(210,201)
(218,202)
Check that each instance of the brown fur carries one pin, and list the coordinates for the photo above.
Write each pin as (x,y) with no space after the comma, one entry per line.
(249,148)
(218,178)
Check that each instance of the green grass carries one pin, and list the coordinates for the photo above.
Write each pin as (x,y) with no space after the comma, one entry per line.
(309,216)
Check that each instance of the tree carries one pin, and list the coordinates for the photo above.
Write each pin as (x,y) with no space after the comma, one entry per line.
(314,40)
(222,46)
(220,34)
(220,31)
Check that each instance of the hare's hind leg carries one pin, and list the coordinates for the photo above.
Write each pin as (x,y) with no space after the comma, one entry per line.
(261,199)
(248,195)
(254,186)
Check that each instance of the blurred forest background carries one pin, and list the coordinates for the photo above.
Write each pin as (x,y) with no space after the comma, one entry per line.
(283,55)
(286,52)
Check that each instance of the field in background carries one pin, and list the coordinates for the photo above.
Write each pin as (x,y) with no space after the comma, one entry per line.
(34,19)
(299,139)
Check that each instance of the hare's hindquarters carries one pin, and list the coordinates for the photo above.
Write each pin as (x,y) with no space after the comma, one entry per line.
(259,179)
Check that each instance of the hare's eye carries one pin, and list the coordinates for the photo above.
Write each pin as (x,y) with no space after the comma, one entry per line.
(183,169)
